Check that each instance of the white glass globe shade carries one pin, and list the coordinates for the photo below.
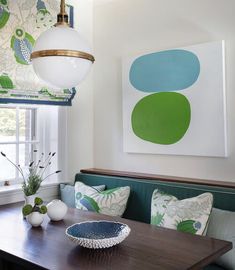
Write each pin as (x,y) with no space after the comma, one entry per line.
(61,71)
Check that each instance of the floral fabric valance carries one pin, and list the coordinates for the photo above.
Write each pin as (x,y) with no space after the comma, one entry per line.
(21,23)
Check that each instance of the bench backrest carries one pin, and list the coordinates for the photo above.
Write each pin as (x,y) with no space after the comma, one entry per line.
(139,203)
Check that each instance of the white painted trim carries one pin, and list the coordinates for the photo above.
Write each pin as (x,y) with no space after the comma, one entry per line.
(19,142)
(63,143)
(14,193)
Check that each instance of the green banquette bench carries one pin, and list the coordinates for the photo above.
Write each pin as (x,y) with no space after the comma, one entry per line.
(143,185)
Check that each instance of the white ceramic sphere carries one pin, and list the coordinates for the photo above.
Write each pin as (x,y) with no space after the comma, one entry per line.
(35,219)
(56,210)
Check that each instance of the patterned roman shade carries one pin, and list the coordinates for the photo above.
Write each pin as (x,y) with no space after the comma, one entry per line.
(21,23)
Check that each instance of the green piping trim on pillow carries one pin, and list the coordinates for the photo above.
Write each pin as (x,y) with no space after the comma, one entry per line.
(208,220)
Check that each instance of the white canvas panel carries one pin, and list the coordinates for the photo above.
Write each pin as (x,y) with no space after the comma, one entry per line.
(206,135)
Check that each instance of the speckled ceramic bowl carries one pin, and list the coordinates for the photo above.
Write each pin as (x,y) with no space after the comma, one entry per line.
(98,234)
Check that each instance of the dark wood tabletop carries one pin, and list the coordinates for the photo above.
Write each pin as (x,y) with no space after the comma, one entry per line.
(147,247)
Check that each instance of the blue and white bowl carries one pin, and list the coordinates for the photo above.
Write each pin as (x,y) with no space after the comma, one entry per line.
(98,234)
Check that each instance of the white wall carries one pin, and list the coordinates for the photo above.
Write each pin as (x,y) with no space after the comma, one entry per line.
(80,115)
(129,27)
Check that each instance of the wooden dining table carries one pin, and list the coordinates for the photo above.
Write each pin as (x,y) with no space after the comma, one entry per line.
(147,247)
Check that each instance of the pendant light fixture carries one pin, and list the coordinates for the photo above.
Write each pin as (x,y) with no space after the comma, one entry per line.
(60,57)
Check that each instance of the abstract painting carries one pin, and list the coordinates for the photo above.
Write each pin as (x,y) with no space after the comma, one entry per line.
(174,101)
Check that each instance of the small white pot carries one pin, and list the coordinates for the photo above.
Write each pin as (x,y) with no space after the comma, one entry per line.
(56,210)
(30,199)
(35,219)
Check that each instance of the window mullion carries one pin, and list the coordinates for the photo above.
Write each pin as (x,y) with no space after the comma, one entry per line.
(17,141)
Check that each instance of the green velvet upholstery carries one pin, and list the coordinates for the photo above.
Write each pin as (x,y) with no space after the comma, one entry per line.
(139,203)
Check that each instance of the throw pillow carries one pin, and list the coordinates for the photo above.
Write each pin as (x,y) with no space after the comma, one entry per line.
(188,215)
(111,202)
(67,193)
(222,226)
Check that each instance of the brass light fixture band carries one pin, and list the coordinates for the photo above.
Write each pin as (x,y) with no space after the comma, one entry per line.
(69,53)
(62,23)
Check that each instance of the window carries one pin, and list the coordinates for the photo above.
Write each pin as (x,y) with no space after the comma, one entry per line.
(22,130)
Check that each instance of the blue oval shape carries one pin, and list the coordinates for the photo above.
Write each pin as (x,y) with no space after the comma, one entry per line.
(165,71)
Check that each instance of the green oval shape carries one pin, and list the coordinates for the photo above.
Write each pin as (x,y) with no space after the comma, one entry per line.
(161,118)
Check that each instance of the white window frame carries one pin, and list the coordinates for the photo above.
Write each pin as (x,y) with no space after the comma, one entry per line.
(17,142)
(51,135)
(49,189)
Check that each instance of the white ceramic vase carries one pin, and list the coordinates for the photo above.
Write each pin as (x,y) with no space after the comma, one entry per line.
(56,210)
(35,219)
(30,199)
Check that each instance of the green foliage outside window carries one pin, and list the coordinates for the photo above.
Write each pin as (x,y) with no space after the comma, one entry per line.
(8,122)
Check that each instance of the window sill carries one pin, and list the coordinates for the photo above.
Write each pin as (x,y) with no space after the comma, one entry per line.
(11,194)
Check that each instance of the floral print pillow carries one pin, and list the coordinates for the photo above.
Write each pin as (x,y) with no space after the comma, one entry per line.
(110,202)
(189,215)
